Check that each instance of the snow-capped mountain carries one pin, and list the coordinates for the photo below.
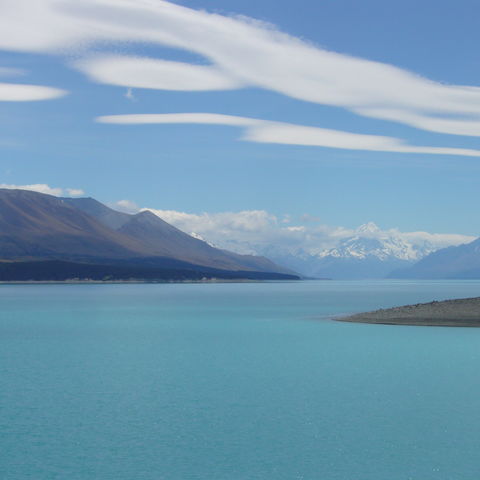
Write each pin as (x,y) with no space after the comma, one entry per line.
(370,241)
(199,237)
(368,253)
(462,261)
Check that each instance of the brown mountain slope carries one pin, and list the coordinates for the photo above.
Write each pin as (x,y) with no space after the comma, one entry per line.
(34,225)
(165,240)
(159,238)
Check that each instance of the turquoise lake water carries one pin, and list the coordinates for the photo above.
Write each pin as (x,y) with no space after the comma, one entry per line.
(234,381)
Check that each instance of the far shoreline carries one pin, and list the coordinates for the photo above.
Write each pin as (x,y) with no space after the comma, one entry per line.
(139,282)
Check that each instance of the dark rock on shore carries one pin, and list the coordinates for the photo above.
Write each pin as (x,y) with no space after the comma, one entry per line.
(464,312)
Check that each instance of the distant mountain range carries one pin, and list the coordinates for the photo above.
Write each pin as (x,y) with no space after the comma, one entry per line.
(371,253)
(43,237)
(44,234)
(368,253)
(461,262)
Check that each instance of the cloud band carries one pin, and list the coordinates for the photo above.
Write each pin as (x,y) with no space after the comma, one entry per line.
(262,131)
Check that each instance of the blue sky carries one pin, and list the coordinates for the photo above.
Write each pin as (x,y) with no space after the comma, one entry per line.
(411,97)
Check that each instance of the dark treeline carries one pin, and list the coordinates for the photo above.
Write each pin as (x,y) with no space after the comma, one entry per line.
(57,270)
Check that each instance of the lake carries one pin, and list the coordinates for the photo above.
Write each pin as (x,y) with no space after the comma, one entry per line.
(234,381)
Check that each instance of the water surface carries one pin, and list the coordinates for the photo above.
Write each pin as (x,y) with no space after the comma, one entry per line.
(234,381)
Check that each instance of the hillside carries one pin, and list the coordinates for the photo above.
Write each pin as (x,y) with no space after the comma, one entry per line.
(461,262)
(37,227)
(159,238)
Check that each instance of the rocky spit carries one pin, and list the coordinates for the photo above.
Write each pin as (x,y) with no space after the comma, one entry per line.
(463,312)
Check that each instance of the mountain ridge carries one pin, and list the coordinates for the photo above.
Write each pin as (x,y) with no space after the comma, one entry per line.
(459,262)
(40,227)
(159,238)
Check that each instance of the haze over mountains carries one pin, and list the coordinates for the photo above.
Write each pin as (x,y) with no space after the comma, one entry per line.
(313,249)
(38,227)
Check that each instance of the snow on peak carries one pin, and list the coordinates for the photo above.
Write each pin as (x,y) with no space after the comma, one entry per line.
(369,227)
(199,237)
(370,241)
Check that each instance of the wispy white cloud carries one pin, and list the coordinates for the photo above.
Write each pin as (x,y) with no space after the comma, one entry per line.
(126,206)
(201,118)
(10,72)
(440,240)
(75,192)
(47,189)
(156,74)
(470,126)
(247,52)
(263,131)
(244,232)
(289,134)
(13,92)
(129,95)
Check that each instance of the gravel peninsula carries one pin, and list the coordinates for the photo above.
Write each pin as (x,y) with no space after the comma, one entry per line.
(463,312)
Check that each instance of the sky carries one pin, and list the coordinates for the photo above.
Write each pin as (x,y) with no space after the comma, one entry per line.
(327,112)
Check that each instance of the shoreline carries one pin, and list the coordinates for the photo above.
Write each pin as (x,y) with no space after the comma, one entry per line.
(463,312)
(132,282)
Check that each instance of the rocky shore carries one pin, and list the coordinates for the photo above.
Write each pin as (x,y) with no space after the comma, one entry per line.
(464,312)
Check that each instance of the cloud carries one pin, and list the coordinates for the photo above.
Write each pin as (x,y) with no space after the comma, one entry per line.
(201,118)
(307,218)
(44,188)
(10,72)
(260,232)
(453,126)
(440,240)
(242,232)
(155,74)
(12,92)
(126,206)
(129,95)
(262,131)
(244,221)
(246,52)
(288,134)
(75,192)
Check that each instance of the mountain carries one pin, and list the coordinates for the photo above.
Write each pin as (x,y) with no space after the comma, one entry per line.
(370,241)
(107,216)
(38,226)
(35,227)
(159,238)
(462,261)
(368,253)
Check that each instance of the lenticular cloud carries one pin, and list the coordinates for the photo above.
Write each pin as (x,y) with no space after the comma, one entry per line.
(239,52)
(13,92)
(263,131)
